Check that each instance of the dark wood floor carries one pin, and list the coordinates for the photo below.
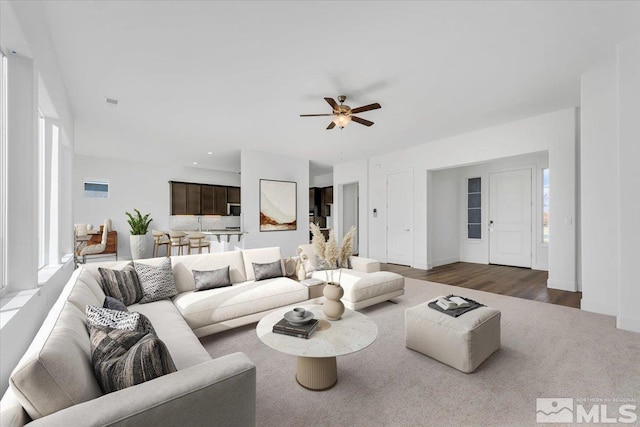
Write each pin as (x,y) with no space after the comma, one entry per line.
(513,281)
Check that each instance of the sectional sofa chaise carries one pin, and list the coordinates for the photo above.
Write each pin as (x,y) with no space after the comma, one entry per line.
(54,383)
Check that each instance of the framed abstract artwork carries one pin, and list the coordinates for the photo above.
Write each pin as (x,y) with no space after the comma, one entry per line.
(278,205)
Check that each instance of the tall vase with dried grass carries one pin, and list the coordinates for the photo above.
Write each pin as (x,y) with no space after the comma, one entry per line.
(333,258)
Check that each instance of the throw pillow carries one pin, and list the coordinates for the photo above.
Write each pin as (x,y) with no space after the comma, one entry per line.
(212,279)
(268,270)
(127,321)
(121,284)
(124,358)
(114,304)
(157,282)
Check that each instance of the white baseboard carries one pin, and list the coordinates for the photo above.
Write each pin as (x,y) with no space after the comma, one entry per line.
(598,307)
(444,261)
(421,266)
(627,324)
(563,285)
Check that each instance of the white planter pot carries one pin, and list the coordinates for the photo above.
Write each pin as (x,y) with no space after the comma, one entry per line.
(138,246)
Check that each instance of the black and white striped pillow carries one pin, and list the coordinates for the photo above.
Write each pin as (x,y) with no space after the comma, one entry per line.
(122,284)
(125,320)
(157,282)
(122,358)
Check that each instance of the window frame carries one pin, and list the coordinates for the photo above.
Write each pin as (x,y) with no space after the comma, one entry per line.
(478,208)
(3,170)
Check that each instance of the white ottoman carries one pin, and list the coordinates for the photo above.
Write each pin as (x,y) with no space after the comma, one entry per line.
(462,342)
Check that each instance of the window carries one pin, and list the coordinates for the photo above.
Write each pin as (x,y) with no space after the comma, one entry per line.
(3,171)
(42,173)
(474,209)
(48,177)
(545,205)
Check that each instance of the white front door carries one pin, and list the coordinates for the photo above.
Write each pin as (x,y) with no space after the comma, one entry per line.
(400,218)
(510,218)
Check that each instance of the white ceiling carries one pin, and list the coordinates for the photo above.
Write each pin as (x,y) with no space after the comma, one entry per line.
(193,77)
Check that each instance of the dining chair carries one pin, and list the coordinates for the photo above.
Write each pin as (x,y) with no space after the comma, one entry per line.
(97,248)
(160,239)
(178,240)
(198,241)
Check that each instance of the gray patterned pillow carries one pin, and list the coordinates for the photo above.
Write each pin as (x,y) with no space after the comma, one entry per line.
(114,304)
(268,270)
(121,284)
(157,282)
(124,358)
(127,321)
(212,279)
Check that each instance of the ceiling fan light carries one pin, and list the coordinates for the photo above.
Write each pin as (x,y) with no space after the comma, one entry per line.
(341,120)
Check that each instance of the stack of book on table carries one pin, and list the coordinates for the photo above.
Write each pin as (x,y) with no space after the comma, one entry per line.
(301,331)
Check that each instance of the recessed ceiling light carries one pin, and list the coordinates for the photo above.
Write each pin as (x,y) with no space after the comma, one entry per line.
(195,163)
(210,153)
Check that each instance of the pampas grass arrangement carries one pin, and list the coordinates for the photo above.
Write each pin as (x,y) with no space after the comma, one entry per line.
(332,256)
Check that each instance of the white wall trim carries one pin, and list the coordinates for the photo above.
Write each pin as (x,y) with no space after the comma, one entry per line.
(444,261)
(627,324)
(563,285)
(598,307)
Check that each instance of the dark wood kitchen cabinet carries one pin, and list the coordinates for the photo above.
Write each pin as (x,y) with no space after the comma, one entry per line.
(185,198)
(233,195)
(219,200)
(201,199)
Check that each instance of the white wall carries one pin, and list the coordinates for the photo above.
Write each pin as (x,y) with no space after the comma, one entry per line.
(553,132)
(610,185)
(600,190)
(349,173)
(629,156)
(134,185)
(256,165)
(477,251)
(321,181)
(443,217)
(350,211)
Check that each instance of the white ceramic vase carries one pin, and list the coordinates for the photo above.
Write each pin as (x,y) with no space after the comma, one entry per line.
(333,308)
(138,246)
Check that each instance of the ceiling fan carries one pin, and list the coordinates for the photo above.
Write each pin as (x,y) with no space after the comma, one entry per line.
(343,114)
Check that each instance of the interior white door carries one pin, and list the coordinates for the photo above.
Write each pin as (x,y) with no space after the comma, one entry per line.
(400,217)
(510,218)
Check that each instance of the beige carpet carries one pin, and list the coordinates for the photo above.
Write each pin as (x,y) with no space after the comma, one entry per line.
(547,351)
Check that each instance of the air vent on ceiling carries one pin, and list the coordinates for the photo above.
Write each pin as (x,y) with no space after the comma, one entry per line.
(112,102)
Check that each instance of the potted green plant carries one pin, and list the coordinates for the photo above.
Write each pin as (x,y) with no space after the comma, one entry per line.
(139,227)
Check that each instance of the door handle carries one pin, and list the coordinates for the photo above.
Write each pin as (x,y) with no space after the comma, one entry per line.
(407,229)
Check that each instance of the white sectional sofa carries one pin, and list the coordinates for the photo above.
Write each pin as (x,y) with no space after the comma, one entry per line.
(364,284)
(54,383)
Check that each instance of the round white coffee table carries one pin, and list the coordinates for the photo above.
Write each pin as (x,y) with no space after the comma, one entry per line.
(316,366)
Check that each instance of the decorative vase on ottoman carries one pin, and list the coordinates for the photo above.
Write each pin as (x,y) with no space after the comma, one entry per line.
(333,308)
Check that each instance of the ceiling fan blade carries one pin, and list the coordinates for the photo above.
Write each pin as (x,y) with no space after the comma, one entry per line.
(331,126)
(332,102)
(361,121)
(315,115)
(366,108)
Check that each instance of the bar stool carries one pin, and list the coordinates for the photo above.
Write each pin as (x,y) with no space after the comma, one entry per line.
(178,240)
(160,239)
(197,241)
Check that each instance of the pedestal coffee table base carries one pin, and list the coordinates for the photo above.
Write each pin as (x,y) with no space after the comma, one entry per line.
(316,373)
